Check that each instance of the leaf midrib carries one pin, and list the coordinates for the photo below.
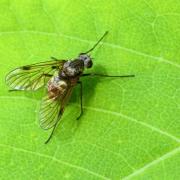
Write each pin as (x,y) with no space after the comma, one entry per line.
(112,113)
(133,51)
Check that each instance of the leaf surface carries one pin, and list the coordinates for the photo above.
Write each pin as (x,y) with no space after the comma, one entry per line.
(130,127)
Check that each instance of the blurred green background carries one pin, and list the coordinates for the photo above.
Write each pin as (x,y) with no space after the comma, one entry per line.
(130,127)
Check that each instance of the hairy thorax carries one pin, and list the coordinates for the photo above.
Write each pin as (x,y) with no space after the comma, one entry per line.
(72,69)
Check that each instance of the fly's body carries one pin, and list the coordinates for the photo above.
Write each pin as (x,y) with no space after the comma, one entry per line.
(72,69)
(63,81)
(60,76)
(57,87)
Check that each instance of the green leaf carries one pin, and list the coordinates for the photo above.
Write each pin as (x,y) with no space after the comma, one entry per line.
(130,127)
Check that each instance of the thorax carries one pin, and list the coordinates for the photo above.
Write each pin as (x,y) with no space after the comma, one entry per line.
(72,69)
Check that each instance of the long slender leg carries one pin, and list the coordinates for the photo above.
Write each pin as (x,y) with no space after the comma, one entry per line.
(104,75)
(81,94)
(52,132)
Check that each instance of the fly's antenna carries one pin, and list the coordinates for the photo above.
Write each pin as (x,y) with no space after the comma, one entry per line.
(96,43)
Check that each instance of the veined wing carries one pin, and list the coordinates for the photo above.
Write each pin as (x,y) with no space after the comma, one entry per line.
(52,109)
(49,112)
(32,77)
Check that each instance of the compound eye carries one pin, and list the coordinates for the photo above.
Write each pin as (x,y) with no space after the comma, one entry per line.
(89,64)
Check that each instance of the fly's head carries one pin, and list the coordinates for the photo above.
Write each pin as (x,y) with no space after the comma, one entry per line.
(87,60)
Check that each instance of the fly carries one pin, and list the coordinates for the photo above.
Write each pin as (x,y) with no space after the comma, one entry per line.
(60,76)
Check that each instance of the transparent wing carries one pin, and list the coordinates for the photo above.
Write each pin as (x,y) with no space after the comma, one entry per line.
(32,77)
(52,109)
(50,112)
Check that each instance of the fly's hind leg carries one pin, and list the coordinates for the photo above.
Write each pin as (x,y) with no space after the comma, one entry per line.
(81,94)
(52,132)
(54,127)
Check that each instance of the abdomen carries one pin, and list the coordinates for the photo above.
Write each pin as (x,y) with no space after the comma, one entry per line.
(57,87)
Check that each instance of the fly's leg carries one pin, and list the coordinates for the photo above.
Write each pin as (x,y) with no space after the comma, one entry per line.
(54,127)
(81,94)
(52,132)
(104,75)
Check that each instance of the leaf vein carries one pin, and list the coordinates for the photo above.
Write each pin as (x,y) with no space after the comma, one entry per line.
(133,51)
(154,162)
(113,113)
(55,160)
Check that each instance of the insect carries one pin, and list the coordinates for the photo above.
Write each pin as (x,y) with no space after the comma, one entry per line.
(60,76)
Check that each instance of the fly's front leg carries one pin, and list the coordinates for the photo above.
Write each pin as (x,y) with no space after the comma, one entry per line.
(104,75)
(81,94)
